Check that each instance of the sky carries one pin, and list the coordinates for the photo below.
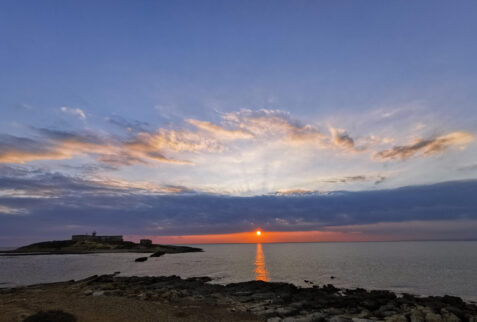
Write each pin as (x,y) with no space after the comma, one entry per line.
(202,121)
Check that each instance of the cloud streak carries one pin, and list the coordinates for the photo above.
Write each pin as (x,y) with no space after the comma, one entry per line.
(146,209)
(425,148)
(74,111)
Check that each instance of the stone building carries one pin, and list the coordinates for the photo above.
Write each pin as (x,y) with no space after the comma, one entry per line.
(94,237)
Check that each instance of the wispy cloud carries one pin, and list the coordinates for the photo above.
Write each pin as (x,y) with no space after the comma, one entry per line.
(4,210)
(219,131)
(246,150)
(74,111)
(427,147)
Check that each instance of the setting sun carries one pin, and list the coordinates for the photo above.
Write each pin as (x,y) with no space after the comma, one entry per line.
(259,232)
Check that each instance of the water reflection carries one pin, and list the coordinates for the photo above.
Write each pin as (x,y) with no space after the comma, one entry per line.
(261,273)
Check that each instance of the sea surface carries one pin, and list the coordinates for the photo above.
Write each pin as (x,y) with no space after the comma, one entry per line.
(422,268)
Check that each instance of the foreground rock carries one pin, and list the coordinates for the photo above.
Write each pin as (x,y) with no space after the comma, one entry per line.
(277,301)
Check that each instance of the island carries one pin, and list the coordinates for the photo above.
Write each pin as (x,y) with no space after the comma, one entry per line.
(87,244)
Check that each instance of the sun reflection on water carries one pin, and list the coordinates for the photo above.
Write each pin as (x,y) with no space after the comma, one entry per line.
(261,273)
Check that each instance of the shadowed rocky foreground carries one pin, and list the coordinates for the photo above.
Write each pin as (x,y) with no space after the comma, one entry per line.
(115,298)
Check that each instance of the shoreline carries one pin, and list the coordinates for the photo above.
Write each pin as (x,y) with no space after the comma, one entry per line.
(134,251)
(253,300)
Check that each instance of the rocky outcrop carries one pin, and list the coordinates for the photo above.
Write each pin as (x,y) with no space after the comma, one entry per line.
(141,259)
(286,302)
(158,253)
(97,246)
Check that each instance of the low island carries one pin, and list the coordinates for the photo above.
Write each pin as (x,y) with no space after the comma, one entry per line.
(87,244)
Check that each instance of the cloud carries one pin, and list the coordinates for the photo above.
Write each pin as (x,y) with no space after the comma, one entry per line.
(12,211)
(133,126)
(74,111)
(219,131)
(296,192)
(274,124)
(20,150)
(469,167)
(59,145)
(356,178)
(252,135)
(377,179)
(118,206)
(341,139)
(424,148)
(278,125)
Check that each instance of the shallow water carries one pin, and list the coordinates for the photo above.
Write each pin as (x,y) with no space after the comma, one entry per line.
(427,268)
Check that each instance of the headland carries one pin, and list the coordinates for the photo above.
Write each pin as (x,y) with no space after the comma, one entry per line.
(86,244)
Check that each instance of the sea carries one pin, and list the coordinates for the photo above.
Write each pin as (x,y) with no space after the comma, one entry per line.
(420,268)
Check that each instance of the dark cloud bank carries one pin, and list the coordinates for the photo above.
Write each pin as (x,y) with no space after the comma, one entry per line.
(52,205)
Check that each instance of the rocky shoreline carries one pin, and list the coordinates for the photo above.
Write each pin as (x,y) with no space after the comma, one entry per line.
(271,301)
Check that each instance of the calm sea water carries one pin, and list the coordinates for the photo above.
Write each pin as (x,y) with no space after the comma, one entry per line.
(425,268)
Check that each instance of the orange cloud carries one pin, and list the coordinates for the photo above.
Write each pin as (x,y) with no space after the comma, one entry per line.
(220,131)
(425,147)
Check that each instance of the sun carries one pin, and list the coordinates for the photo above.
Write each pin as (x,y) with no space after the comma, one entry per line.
(258,232)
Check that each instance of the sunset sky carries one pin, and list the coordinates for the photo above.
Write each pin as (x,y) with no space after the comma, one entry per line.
(203,121)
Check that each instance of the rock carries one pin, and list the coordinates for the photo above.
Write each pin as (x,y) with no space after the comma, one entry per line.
(396,318)
(286,311)
(430,316)
(88,292)
(141,259)
(158,254)
(334,311)
(98,293)
(362,320)
(449,316)
(332,277)
(274,319)
(417,316)
(52,315)
(338,319)
(313,317)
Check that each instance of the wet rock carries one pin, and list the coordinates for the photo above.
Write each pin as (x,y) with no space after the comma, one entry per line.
(141,259)
(158,254)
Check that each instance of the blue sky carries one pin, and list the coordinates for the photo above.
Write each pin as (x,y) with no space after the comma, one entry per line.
(236,99)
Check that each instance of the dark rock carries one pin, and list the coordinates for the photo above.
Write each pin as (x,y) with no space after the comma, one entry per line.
(141,259)
(158,254)
(51,316)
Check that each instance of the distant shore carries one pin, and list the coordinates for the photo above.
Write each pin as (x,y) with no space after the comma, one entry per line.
(117,298)
(65,247)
